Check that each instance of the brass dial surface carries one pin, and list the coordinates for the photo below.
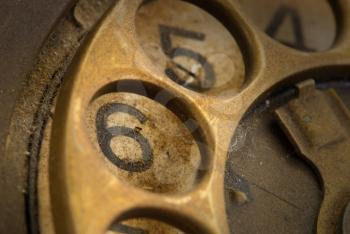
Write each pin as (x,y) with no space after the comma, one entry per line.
(172,119)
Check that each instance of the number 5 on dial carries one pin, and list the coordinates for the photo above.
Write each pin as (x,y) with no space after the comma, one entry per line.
(191,80)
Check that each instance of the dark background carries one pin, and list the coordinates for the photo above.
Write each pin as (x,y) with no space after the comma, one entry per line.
(24,26)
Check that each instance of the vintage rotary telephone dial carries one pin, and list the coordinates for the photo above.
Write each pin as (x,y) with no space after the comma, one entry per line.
(198,116)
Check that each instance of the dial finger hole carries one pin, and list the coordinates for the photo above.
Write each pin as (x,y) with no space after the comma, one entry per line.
(189,46)
(148,137)
(306,25)
(145,221)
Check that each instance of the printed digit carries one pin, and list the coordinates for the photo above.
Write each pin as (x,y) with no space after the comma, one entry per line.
(166,42)
(276,22)
(106,134)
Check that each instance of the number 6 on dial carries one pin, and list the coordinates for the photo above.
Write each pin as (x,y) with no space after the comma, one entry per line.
(106,134)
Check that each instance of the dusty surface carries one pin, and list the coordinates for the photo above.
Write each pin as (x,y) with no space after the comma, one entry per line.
(195,30)
(266,181)
(33,110)
(280,192)
(175,154)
